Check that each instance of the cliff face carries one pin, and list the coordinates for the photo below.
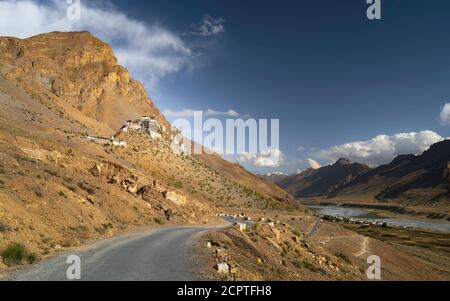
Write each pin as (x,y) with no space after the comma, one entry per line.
(79,69)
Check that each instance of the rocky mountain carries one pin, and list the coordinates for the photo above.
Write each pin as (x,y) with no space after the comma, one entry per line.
(79,70)
(59,188)
(323,181)
(418,179)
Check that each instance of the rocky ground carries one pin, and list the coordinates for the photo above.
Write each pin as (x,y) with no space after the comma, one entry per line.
(286,246)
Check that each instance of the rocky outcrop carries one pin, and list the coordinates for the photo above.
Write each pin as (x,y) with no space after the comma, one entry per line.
(139,186)
(175,197)
(79,69)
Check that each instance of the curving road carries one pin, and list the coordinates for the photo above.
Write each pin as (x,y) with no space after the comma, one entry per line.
(162,254)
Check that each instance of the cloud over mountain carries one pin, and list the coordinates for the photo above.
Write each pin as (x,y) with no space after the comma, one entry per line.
(313,164)
(445,114)
(149,51)
(271,158)
(381,149)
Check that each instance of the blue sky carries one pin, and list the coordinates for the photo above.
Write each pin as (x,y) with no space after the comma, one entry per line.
(336,80)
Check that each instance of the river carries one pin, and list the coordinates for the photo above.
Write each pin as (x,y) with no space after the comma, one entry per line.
(358,215)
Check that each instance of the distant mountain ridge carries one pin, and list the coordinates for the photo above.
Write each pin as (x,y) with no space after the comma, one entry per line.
(323,181)
(423,179)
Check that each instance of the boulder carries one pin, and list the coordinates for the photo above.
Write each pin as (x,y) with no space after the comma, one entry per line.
(169,214)
(144,190)
(132,188)
(223,268)
(96,171)
(114,180)
(276,232)
(90,199)
(242,227)
(130,181)
(234,270)
(175,197)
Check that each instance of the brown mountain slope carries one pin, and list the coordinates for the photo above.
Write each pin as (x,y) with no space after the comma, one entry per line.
(245,178)
(79,73)
(57,189)
(417,179)
(80,70)
(322,181)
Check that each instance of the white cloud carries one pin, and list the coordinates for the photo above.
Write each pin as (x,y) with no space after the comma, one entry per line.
(381,149)
(272,158)
(445,114)
(276,173)
(209,26)
(313,164)
(301,148)
(149,51)
(229,113)
(189,113)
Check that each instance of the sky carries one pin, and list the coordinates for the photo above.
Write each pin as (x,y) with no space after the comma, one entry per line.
(340,84)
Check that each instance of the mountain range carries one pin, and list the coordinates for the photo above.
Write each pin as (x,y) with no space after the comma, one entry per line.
(423,179)
(322,181)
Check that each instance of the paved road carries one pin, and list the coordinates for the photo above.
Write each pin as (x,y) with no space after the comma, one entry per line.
(162,254)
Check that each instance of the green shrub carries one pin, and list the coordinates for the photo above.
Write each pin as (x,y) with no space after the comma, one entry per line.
(305,264)
(178,185)
(343,257)
(25,159)
(104,228)
(16,254)
(158,221)
(296,233)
